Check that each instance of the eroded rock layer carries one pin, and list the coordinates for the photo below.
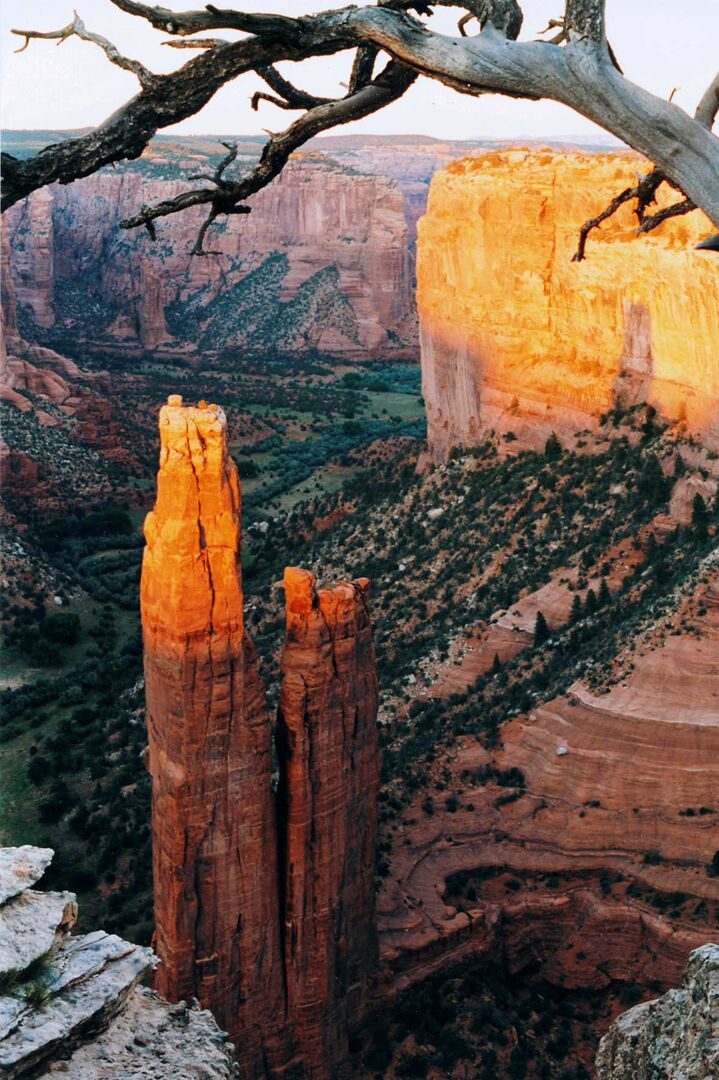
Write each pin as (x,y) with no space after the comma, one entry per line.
(517,337)
(214,839)
(329,769)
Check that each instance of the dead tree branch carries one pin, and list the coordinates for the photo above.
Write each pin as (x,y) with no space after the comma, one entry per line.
(577,71)
(645,191)
(225,198)
(77,28)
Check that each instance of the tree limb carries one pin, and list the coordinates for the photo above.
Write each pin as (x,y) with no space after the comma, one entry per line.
(646,189)
(389,85)
(77,28)
(579,74)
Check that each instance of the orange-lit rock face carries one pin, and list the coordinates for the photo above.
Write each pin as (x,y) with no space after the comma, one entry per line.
(329,769)
(214,833)
(517,337)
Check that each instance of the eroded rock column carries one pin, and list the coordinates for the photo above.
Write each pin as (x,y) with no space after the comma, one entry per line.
(329,773)
(214,831)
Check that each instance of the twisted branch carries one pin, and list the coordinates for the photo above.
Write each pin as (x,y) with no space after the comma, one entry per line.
(645,191)
(77,28)
(226,196)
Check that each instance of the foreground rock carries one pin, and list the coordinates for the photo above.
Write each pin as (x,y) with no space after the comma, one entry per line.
(73,1004)
(675,1037)
(518,338)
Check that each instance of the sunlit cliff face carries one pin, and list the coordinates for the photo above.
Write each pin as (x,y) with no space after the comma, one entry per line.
(515,336)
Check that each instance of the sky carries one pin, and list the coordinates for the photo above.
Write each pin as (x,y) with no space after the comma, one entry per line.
(661,45)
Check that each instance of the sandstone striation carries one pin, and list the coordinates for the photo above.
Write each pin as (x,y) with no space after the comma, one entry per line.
(516,337)
(72,1004)
(329,769)
(673,1037)
(322,262)
(596,870)
(214,837)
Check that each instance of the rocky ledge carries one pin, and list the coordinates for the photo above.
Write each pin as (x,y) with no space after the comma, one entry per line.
(73,1004)
(675,1037)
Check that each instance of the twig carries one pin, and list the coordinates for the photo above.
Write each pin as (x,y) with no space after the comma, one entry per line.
(77,28)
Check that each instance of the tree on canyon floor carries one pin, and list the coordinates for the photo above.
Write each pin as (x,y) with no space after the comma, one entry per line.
(575,66)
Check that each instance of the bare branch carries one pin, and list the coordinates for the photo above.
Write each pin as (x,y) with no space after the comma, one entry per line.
(77,28)
(580,75)
(362,67)
(645,191)
(196,43)
(708,107)
(292,97)
(593,223)
(673,210)
(585,19)
(389,85)
(187,23)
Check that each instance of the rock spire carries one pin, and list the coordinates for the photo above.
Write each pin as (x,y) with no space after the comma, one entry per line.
(265,914)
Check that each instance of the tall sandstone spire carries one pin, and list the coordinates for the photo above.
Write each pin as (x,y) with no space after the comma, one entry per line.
(267,917)
(210,749)
(329,774)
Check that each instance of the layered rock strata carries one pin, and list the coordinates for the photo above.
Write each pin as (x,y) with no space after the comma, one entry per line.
(329,768)
(322,262)
(676,1035)
(214,836)
(268,920)
(73,1004)
(611,827)
(516,337)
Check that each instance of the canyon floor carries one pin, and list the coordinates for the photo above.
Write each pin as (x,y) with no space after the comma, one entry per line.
(549,803)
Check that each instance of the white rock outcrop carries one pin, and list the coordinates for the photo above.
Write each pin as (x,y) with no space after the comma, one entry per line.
(74,1004)
(674,1037)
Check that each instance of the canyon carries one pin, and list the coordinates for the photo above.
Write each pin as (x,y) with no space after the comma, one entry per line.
(520,340)
(322,263)
(547,808)
(264,913)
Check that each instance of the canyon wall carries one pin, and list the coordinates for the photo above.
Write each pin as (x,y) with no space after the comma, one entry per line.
(322,262)
(517,337)
(267,918)
(329,765)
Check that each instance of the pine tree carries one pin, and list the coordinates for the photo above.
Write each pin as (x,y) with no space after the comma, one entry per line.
(700,518)
(679,466)
(590,602)
(576,612)
(496,665)
(552,448)
(541,629)
(605,597)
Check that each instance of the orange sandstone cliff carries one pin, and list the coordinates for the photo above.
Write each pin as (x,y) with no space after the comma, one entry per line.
(268,920)
(516,337)
(214,839)
(329,769)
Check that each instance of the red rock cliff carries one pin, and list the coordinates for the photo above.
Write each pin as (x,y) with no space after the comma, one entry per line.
(329,767)
(328,253)
(214,837)
(516,337)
